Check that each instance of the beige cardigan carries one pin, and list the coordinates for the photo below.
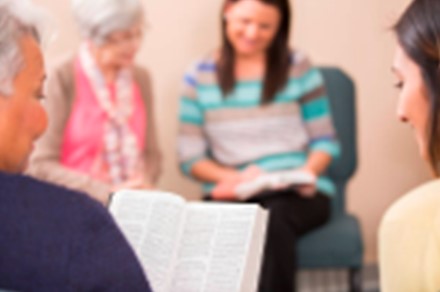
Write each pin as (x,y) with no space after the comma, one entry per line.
(45,160)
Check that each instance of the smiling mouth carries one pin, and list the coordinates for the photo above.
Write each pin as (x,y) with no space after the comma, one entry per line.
(250,43)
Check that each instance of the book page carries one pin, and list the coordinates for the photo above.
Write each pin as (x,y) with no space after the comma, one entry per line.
(215,247)
(152,223)
(255,253)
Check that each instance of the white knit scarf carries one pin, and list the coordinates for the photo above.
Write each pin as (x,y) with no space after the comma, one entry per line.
(121,151)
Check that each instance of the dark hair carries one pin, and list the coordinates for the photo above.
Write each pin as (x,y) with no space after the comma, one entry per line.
(277,61)
(418,33)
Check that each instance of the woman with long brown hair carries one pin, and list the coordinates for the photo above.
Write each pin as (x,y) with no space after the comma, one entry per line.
(253,107)
(410,231)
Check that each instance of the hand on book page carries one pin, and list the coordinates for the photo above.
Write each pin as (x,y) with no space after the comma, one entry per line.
(307,190)
(275,181)
(225,190)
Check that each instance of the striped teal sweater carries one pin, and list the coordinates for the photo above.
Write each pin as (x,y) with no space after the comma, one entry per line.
(237,131)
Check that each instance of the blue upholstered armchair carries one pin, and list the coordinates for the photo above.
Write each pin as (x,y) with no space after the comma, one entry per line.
(338,244)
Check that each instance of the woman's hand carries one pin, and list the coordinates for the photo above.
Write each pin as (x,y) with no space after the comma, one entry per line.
(135,183)
(309,190)
(225,189)
(316,164)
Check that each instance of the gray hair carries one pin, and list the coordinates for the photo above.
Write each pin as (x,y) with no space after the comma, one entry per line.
(97,19)
(17,18)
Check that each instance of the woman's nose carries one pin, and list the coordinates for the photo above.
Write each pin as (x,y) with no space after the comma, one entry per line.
(252,31)
(401,114)
(403,109)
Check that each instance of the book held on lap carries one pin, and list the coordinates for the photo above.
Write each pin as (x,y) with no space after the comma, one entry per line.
(273,181)
(193,246)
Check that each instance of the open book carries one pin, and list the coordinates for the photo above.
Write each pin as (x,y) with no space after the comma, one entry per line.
(273,181)
(193,247)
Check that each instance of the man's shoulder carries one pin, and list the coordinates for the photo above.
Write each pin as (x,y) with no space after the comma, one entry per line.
(26,192)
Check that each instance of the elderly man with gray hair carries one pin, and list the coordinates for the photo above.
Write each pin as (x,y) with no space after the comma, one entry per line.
(51,239)
(101,135)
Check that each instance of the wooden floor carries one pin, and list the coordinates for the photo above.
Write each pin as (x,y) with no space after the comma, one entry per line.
(336,280)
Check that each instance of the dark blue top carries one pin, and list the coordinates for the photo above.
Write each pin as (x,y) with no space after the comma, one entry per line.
(54,239)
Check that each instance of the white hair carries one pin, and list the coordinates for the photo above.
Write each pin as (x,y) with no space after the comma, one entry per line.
(97,19)
(17,18)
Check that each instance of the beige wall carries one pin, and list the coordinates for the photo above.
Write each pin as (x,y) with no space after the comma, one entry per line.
(352,34)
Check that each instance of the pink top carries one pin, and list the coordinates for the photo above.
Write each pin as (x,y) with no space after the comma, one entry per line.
(83,146)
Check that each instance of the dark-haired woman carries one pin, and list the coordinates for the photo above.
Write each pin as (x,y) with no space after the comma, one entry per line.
(410,230)
(255,106)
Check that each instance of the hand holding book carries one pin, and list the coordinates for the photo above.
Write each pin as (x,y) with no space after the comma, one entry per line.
(254,181)
(275,181)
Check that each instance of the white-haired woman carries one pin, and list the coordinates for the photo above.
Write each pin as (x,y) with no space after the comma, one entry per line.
(101,134)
